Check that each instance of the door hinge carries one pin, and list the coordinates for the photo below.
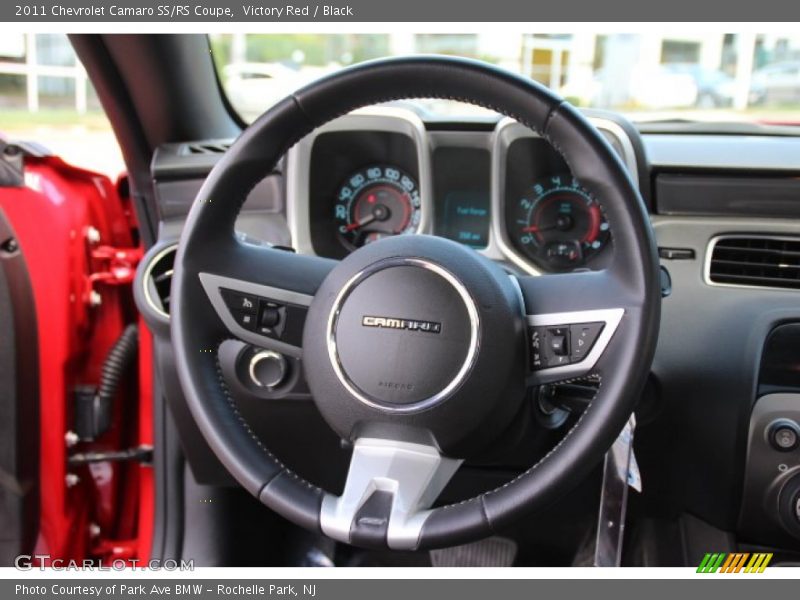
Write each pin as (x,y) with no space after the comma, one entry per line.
(141,454)
(110,266)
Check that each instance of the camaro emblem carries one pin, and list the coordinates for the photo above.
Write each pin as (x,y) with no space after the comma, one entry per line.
(393,323)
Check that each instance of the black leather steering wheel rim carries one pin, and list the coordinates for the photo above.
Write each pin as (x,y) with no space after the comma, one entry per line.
(208,244)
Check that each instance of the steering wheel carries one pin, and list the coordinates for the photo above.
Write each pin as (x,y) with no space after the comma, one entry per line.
(417,350)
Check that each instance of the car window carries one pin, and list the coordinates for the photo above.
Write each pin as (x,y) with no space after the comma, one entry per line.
(700,77)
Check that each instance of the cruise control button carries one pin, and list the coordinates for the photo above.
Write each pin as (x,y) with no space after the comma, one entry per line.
(538,360)
(582,337)
(245,319)
(239,301)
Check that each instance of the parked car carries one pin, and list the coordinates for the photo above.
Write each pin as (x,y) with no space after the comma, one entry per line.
(715,89)
(669,86)
(778,83)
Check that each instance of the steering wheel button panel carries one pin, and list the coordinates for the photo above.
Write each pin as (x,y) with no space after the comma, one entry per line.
(562,344)
(275,320)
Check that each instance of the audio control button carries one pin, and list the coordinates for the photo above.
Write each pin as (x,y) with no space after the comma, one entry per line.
(584,335)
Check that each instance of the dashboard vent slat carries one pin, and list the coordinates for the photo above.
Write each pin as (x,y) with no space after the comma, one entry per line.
(208,148)
(158,280)
(755,261)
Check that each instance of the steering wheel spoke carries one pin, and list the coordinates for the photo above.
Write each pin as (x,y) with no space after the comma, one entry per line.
(254,307)
(387,497)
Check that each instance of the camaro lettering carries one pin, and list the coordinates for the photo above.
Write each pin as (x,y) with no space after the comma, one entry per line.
(392,385)
(395,323)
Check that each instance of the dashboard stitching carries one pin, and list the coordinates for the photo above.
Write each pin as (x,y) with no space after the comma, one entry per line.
(484,512)
(546,126)
(352,107)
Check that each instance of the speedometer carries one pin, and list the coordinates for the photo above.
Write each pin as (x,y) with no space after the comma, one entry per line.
(376,202)
(559,224)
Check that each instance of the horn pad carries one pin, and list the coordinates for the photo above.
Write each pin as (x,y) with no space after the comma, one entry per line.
(419,338)
(403,334)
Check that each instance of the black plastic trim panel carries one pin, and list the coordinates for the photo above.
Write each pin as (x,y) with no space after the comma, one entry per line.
(728,195)
(707,364)
(19,403)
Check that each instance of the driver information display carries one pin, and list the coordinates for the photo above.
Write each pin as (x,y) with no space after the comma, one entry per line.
(462,194)
(466,218)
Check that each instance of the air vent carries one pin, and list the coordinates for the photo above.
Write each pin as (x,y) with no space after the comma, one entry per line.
(158,280)
(208,148)
(755,261)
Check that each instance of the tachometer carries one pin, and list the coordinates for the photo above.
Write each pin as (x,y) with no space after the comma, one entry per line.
(376,202)
(559,224)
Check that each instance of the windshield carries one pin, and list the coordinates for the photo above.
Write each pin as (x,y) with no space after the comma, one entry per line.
(694,77)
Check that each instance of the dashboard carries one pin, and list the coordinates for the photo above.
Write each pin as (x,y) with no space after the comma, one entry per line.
(725,211)
(501,190)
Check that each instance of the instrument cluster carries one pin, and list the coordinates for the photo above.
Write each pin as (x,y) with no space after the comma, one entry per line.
(508,195)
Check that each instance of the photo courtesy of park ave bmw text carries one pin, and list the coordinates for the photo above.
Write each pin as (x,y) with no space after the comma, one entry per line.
(161,590)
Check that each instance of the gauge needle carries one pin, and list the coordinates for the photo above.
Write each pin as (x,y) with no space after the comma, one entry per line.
(535,229)
(358,224)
